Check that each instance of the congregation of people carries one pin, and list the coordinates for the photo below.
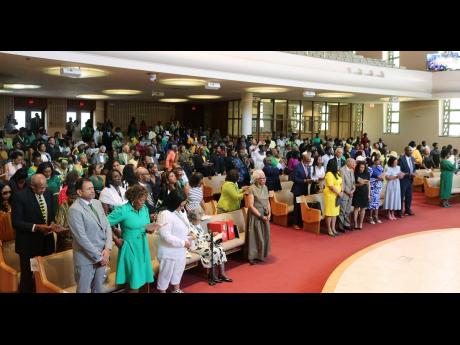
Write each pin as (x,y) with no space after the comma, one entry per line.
(98,187)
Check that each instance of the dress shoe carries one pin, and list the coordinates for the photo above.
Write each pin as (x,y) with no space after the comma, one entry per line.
(252,262)
(226,279)
(349,228)
(410,213)
(295,226)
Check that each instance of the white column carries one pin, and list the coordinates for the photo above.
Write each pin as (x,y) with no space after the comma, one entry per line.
(246,114)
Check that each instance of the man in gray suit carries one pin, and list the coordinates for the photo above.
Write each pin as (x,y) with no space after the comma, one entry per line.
(348,187)
(92,238)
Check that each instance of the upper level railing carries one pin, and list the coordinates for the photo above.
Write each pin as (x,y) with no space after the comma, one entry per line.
(346,56)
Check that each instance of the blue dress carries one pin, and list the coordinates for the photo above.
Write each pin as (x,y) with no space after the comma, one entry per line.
(134,265)
(376,187)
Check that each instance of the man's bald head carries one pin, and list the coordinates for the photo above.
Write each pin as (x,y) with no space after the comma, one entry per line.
(142,174)
(38,183)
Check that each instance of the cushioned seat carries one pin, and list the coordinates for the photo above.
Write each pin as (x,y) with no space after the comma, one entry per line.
(211,207)
(56,272)
(284,178)
(212,186)
(287,185)
(281,203)
(312,217)
(9,267)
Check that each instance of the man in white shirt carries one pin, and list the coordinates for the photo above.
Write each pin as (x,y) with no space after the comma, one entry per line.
(258,157)
(325,158)
(97,135)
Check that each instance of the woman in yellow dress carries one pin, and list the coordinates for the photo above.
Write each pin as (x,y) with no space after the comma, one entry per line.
(332,192)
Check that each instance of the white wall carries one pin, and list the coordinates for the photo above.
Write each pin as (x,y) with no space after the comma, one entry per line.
(418,121)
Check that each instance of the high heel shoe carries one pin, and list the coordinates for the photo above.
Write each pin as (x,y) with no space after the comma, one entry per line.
(332,235)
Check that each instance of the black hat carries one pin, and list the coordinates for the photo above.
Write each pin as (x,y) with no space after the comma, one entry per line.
(174,199)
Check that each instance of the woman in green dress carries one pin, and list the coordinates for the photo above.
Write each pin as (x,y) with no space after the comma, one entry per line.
(53,180)
(134,267)
(447,175)
(257,240)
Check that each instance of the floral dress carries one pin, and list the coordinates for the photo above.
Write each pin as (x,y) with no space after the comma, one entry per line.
(376,187)
(202,247)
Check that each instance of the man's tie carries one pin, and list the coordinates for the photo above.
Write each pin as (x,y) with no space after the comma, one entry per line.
(42,205)
(309,172)
(94,211)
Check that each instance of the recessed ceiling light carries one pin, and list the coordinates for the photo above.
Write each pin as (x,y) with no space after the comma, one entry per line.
(173,100)
(5,91)
(266,89)
(204,96)
(21,86)
(85,72)
(121,92)
(335,94)
(183,82)
(91,96)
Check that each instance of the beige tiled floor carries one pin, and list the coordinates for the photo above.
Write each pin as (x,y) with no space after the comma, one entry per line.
(422,262)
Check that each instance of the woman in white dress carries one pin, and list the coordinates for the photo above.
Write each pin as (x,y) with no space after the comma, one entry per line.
(175,238)
(111,196)
(318,174)
(13,166)
(392,200)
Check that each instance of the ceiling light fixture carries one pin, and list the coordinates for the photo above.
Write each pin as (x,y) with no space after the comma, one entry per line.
(183,82)
(335,94)
(92,96)
(5,91)
(308,93)
(173,100)
(21,86)
(121,92)
(158,93)
(204,96)
(266,89)
(211,85)
(75,72)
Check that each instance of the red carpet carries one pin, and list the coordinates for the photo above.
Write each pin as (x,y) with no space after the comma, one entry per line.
(302,262)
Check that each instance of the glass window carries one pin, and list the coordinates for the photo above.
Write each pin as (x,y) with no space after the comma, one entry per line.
(450,117)
(71,115)
(392,118)
(20,117)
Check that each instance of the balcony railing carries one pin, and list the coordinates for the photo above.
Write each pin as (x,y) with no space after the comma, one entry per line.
(346,56)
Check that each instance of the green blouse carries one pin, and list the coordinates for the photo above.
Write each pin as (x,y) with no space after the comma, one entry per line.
(97,183)
(230,197)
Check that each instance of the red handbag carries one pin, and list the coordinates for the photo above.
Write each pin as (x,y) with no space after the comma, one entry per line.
(219,226)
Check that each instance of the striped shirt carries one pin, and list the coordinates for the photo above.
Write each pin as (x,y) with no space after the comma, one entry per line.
(194,198)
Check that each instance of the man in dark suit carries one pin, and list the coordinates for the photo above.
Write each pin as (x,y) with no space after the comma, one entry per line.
(33,215)
(407,164)
(35,123)
(302,180)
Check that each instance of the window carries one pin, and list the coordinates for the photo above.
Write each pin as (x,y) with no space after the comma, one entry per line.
(450,126)
(20,117)
(392,118)
(324,117)
(234,119)
(391,57)
(81,116)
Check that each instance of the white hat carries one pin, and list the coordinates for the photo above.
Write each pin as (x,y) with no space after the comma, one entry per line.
(79,143)
(167,134)
(360,158)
